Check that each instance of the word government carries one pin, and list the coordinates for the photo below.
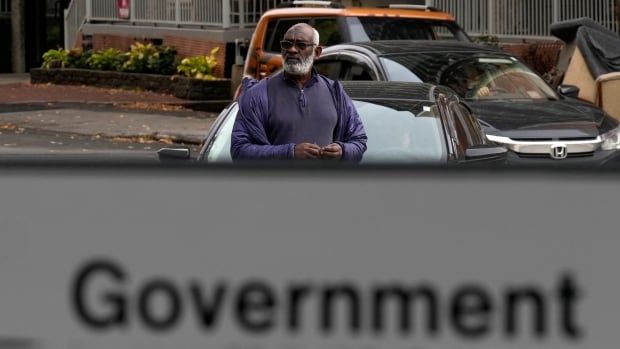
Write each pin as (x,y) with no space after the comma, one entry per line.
(104,297)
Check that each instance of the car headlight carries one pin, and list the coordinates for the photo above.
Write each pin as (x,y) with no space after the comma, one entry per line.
(611,139)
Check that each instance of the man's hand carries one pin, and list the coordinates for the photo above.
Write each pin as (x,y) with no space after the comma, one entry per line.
(332,151)
(306,151)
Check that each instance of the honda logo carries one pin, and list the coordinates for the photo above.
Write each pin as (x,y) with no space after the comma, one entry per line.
(559,151)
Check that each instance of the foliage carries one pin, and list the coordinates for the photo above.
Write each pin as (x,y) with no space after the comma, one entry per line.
(55,59)
(148,58)
(109,59)
(142,58)
(167,62)
(200,67)
(78,59)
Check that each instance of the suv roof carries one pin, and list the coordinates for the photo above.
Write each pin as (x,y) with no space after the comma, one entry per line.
(358,11)
(403,46)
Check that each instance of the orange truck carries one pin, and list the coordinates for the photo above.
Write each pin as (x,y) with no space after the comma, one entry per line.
(337,25)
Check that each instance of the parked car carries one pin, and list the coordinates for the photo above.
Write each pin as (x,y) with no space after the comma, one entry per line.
(514,105)
(411,123)
(337,25)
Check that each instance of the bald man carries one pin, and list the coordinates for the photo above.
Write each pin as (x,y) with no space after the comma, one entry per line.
(297,113)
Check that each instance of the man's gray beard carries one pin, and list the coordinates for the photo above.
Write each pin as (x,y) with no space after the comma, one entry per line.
(300,68)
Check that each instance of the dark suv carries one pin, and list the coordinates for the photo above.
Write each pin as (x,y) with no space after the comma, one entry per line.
(514,105)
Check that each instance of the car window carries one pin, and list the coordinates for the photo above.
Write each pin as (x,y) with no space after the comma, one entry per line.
(398,72)
(329,31)
(355,29)
(358,72)
(332,69)
(495,78)
(273,36)
(385,28)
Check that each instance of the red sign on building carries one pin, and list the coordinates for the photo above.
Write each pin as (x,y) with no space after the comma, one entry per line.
(123,8)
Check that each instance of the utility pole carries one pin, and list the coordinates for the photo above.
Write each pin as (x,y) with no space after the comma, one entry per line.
(18,33)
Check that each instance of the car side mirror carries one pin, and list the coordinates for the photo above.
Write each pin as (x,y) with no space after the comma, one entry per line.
(486,152)
(571,91)
(167,154)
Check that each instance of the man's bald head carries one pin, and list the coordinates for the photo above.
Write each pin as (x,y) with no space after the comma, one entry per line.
(305,30)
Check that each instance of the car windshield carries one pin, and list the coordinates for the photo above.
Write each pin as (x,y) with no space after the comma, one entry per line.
(495,78)
(491,77)
(390,28)
(398,131)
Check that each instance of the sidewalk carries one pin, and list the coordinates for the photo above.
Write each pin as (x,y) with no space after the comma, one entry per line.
(99,111)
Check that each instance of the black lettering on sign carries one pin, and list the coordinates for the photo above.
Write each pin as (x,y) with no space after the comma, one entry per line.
(114,301)
(168,291)
(102,301)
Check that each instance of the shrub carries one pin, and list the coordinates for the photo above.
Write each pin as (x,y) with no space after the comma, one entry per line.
(142,58)
(200,67)
(167,62)
(78,59)
(109,59)
(55,59)
(148,58)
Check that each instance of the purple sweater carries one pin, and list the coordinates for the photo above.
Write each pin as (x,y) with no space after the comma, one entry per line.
(271,120)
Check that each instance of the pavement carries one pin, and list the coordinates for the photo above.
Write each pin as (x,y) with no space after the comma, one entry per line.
(103,112)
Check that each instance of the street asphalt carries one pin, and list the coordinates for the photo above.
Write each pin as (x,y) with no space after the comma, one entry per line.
(131,118)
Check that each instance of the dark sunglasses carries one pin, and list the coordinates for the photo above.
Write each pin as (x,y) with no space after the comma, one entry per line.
(300,45)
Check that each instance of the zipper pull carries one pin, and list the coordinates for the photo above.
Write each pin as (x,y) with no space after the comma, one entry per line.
(302,98)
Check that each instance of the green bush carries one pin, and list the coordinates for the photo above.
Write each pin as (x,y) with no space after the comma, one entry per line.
(109,59)
(200,67)
(148,58)
(143,58)
(55,59)
(78,59)
(167,62)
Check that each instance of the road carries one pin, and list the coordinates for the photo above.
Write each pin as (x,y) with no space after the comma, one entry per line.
(98,130)
(47,143)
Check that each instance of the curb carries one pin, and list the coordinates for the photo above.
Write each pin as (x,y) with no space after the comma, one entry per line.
(208,106)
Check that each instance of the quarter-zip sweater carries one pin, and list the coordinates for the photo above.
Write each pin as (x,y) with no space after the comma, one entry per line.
(275,114)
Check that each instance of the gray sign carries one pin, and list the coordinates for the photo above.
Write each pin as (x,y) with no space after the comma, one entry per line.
(313,259)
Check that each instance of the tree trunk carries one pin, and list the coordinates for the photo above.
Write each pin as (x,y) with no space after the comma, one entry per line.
(18,32)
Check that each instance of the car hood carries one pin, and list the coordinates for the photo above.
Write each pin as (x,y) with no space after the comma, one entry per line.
(562,119)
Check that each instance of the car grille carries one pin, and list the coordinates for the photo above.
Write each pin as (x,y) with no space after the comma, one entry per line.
(547,156)
(554,139)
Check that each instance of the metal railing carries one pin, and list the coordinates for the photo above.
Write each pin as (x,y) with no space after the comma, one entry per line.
(501,18)
(220,13)
(75,15)
(524,18)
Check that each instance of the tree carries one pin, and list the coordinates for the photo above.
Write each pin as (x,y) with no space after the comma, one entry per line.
(618,14)
(18,33)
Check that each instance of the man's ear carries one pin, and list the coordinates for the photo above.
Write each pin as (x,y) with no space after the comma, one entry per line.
(317,51)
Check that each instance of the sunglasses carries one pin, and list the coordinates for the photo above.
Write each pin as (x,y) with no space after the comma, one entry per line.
(300,45)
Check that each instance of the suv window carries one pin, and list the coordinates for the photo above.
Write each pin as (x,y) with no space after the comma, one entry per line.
(276,30)
(378,28)
(328,28)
